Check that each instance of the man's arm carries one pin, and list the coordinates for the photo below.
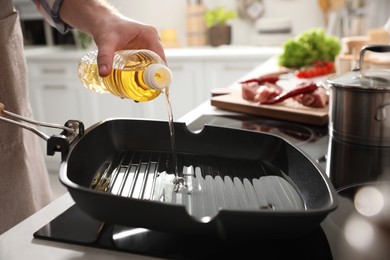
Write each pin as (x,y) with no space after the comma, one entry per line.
(110,30)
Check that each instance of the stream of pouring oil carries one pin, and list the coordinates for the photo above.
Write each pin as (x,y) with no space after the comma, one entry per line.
(179,181)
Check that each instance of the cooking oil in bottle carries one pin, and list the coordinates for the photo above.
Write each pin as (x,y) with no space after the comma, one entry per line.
(137,74)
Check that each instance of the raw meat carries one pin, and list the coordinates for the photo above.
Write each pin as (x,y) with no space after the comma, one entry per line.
(267,91)
(319,98)
(304,88)
(249,90)
(254,91)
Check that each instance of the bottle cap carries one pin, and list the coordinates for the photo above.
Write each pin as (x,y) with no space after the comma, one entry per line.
(158,76)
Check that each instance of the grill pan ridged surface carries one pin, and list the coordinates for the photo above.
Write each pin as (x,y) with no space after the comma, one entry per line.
(238,182)
(209,183)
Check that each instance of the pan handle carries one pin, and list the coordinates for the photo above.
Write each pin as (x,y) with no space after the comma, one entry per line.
(71,129)
(32,129)
(33,122)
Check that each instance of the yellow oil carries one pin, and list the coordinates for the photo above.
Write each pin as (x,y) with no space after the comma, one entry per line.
(172,132)
(89,76)
(124,83)
(130,84)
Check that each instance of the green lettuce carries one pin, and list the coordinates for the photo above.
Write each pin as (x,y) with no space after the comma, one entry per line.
(310,46)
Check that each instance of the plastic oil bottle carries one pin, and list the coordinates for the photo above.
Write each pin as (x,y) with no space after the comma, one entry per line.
(137,74)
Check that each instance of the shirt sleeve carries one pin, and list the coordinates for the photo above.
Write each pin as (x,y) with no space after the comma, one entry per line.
(50,9)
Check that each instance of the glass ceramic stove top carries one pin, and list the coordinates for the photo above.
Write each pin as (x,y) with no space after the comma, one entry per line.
(75,227)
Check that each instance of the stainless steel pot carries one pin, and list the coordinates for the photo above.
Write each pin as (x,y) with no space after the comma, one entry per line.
(359,103)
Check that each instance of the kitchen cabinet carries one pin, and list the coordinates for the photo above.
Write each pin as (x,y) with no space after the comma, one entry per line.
(197,71)
(57,94)
(56,97)
(185,88)
(223,74)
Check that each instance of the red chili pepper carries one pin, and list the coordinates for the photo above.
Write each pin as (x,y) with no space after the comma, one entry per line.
(304,89)
(263,79)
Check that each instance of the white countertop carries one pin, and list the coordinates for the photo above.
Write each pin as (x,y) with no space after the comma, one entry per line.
(18,242)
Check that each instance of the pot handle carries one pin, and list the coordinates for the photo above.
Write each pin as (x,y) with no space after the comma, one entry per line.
(373,48)
(381,112)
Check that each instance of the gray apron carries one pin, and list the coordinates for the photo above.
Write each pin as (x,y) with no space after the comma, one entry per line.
(24,183)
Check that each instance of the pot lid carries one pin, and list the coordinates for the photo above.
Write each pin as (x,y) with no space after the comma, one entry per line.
(376,79)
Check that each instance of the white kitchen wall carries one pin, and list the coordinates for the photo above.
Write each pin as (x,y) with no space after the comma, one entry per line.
(165,14)
(303,13)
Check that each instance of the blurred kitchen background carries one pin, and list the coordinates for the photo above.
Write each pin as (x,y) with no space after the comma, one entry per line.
(261,22)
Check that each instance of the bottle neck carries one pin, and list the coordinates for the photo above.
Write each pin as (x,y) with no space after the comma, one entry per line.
(158,76)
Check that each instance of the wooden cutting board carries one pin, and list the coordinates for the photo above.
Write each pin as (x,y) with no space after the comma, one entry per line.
(231,99)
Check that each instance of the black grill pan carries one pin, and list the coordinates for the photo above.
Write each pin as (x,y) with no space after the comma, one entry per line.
(238,182)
